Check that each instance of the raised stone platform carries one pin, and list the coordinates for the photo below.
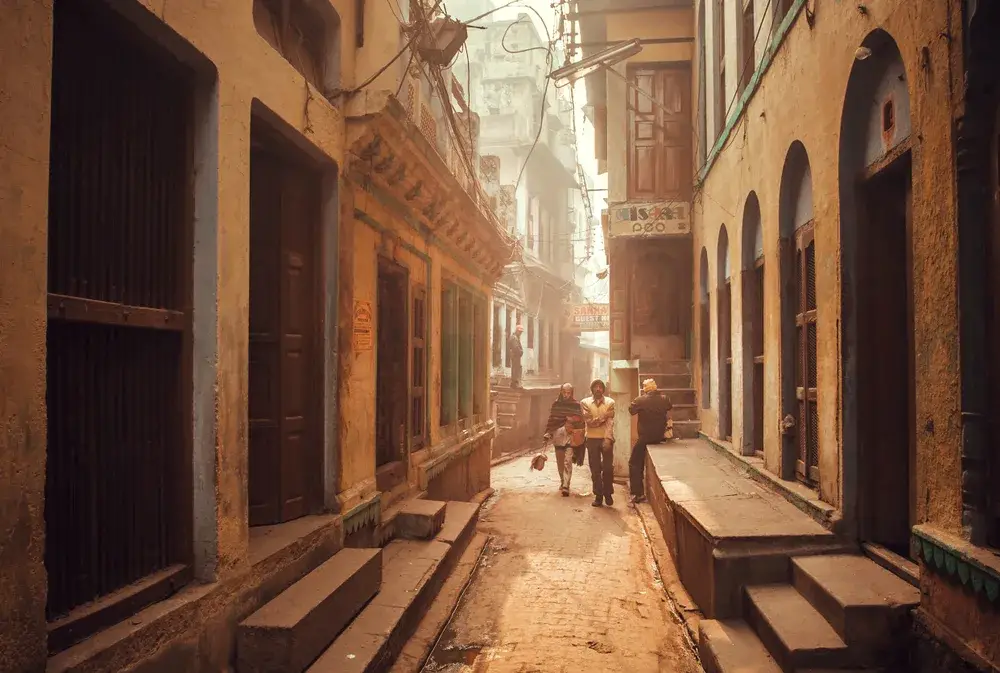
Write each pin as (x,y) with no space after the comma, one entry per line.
(413,572)
(725,530)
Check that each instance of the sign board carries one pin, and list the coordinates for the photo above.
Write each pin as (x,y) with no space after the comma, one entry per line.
(590,317)
(363,330)
(666,218)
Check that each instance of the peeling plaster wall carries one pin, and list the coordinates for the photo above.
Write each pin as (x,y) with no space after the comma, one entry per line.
(25,92)
(801,97)
(381,221)
(240,71)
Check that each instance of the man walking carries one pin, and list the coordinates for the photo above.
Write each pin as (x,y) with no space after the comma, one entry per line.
(514,352)
(652,408)
(566,430)
(599,417)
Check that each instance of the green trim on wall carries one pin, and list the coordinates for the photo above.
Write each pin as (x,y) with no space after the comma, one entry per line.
(942,559)
(777,37)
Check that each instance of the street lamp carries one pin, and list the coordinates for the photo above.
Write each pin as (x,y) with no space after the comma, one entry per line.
(602,59)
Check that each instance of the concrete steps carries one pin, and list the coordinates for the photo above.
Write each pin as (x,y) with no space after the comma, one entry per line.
(839,612)
(290,631)
(419,519)
(681,395)
(794,633)
(687,429)
(413,571)
(684,412)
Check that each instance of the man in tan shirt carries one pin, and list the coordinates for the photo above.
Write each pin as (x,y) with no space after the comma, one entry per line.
(599,416)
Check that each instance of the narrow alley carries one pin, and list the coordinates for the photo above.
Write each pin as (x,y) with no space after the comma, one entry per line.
(561,586)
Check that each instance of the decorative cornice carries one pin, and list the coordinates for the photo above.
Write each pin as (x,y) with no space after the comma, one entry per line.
(391,153)
(953,562)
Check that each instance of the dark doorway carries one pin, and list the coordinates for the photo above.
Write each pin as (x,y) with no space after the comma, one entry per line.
(705,332)
(885,357)
(391,392)
(285,368)
(725,338)
(805,364)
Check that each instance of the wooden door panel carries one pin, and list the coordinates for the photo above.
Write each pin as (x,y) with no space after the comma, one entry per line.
(264,458)
(299,212)
(660,134)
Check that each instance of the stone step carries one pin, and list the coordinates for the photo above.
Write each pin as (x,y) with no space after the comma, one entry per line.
(668,381)
(419,519)
(866,605)
(668,367)
(414,571)
(731,646)
(686,429)
(681,395)
(684,412)
(794,633)
(290,631)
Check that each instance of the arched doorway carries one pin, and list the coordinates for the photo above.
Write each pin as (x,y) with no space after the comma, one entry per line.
(704,331)
(877,308)
(725,340)
(752,285)
(799,390)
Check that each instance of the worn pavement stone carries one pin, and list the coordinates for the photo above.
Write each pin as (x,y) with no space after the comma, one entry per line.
(564,587)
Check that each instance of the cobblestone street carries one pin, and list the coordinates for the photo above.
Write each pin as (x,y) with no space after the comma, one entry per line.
(562,587)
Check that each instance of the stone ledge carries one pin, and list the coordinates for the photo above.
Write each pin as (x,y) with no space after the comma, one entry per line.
(950,556)
(196,627)
(445,453)
(803,497)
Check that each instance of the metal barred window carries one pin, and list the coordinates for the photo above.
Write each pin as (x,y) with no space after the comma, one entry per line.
(119,258)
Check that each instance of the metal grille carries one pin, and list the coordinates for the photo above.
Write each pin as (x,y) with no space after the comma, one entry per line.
(812,438)
(113,409)
(117,236)
(810,272)
(811,354)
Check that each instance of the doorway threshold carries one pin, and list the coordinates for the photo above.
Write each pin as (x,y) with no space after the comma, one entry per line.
(901,567)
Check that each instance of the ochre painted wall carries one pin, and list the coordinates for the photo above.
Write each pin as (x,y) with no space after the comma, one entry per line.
(801,98)
(238,68)
(370,233)
(25,61)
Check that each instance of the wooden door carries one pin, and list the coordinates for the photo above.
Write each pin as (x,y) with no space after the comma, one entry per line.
(283,371)
(298,216)
(757,350)
(807,463)
(391,391)
(993,334)
(659,163)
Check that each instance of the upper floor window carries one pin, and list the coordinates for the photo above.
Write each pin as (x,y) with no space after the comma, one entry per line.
(306,36)
(659,108)
(747,60)
(721,103)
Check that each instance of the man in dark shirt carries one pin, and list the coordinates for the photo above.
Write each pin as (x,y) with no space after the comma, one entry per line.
(514,352)
(652,408)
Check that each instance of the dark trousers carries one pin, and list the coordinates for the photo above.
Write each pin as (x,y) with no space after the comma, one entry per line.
(637,467)
(515,372)
(602,467)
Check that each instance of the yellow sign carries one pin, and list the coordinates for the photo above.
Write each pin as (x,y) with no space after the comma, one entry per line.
(649,219)
(590,317)
(363,330)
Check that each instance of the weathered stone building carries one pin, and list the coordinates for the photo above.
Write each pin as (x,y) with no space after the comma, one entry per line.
(244,299)
(641,110)
(843,293)
(526,137)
